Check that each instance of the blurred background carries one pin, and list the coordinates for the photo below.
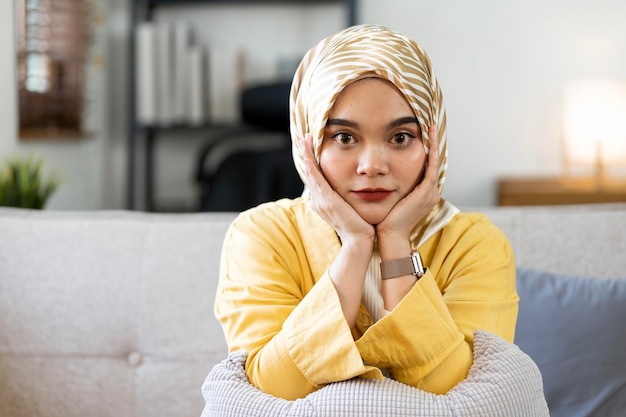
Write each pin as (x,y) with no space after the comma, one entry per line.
(505,68)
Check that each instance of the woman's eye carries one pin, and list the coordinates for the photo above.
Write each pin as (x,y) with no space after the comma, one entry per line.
(402,139)
(343,138)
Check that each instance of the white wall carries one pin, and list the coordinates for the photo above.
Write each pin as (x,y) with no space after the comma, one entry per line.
(502,66)
(8,111)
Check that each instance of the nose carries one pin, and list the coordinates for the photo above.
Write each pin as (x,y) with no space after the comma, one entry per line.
(373,161)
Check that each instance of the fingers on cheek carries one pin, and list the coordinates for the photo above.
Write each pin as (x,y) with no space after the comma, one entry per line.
(435,180)
(308,168)
(434,150)
(435,195)
(314,179)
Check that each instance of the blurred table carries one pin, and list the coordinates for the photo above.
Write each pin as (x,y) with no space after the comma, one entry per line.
(531,191)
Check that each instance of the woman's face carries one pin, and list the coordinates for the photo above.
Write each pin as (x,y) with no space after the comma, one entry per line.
(372,153)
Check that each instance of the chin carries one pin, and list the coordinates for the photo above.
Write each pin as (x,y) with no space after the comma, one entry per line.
(372,217)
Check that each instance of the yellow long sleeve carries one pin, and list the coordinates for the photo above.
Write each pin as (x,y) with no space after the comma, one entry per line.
(276,301)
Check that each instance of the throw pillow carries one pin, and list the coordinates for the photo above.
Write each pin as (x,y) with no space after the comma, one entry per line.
(503,381)
(573,328)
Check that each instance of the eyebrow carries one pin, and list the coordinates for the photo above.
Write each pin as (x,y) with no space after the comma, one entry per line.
(395,123)
(341,122)
(403,121)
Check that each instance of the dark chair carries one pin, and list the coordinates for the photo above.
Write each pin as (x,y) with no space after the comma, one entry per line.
(245,167)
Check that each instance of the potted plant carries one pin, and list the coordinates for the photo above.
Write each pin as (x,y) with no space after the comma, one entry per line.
(22,184)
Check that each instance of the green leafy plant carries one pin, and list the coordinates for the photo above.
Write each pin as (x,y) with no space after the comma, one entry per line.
(22,184)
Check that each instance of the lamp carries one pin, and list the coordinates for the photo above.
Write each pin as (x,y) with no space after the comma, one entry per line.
(595,126)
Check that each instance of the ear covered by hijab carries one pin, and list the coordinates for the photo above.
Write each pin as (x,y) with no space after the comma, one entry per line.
(354,53)
(369,51)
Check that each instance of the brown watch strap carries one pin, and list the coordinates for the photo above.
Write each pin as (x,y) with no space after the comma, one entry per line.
(411,265)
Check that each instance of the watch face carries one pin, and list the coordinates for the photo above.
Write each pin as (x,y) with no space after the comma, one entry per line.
(418,267)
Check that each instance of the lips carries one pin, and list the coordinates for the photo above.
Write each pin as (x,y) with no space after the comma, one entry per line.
(372,194)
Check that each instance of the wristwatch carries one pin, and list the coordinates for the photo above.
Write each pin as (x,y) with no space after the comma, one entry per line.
(411,265)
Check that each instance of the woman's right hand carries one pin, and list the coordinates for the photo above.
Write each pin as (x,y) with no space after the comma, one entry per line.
(349,268)
(340,215)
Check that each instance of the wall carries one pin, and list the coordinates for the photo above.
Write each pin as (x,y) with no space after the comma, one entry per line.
(502,66)
(8,111)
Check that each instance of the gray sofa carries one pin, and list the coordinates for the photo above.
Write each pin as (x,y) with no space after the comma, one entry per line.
(111,313)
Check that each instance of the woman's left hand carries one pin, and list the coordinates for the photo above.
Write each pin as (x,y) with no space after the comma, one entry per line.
(401,220)
(394,231)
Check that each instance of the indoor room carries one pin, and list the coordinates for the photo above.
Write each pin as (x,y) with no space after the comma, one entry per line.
(505,72)
(182,233)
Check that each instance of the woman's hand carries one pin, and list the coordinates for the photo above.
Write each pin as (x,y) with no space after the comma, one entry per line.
(349,268)
(395,230)
(340,215)
(401,220)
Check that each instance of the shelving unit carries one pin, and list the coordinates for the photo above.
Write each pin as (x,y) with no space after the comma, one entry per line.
(141,139)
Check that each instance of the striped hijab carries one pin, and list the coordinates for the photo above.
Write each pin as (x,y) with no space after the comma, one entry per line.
(365,51)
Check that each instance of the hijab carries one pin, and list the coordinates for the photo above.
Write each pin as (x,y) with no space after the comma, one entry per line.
(369,51)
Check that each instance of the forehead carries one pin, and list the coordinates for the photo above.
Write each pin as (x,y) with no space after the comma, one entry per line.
(371,95)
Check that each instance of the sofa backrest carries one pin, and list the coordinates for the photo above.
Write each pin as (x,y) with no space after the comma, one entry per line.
(111,313)
(582,240)
(107,314)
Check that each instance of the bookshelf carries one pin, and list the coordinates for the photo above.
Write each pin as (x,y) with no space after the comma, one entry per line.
(141,138)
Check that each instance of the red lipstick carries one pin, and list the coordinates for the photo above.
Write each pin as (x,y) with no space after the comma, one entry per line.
(372,194)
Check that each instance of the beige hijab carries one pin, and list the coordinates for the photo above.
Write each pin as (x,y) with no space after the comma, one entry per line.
(369,50)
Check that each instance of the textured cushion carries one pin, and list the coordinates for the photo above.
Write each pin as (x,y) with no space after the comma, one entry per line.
(503,381)
(573,328)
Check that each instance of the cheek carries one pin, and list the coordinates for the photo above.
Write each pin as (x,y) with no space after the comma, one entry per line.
(413,168)
(421,163)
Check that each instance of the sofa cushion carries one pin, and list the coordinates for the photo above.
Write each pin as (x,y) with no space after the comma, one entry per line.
(573,328)
(503,381)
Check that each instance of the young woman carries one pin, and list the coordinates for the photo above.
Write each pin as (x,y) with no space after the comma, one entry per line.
(370,273)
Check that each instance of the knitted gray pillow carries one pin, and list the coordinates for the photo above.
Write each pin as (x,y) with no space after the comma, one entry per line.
(503,381)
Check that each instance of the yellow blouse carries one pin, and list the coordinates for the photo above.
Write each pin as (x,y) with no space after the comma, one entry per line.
(276,301)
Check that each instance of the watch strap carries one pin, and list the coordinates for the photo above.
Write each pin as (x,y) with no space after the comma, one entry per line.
(411,265)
